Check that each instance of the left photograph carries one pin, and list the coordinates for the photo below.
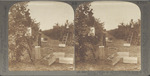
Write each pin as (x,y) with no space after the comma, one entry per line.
(41,36)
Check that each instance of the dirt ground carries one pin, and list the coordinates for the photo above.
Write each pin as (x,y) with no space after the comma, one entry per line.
(104,65)
(52,46)
(40,65)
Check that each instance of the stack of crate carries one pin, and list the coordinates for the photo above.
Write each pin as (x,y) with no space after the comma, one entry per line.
(115,58)
(59,57)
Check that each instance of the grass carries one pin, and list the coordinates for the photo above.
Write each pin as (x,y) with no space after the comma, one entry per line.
(104,65)
(52,46)
(41,65)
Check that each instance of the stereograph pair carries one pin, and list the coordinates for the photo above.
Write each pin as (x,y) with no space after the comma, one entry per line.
(95,36)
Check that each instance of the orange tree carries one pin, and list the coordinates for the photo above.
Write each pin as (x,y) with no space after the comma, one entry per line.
(19,21)
(58,31)
(124,31)
(86,45)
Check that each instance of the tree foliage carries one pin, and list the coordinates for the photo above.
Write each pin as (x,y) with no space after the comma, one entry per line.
(19,21)
(59,31)
(124,31)
(84,19)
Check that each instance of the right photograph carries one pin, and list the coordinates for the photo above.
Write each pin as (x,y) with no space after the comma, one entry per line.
(107,36)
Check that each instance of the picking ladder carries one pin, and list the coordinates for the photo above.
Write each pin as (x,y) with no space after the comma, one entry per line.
(64,40)
(129,39)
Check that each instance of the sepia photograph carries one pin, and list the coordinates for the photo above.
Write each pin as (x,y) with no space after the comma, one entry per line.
(41,36)
(107,36)
(97,36)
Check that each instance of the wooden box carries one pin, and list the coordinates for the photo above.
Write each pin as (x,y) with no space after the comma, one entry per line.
(37,52)
(123,54)
(59,54)
(130,59)
(66,60)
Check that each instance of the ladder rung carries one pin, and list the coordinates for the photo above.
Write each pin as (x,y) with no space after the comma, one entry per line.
(64,40)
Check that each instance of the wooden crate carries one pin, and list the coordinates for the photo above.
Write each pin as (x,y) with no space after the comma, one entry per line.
(59,54)
(69,55)
(114,59)
(126,44)
(62,45)
(66,60)
(130,59)
(49,59)
(123,54)
(37,52)
(101,52)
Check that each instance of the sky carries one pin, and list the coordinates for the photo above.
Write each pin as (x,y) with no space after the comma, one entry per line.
(112,13)
(48,13)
